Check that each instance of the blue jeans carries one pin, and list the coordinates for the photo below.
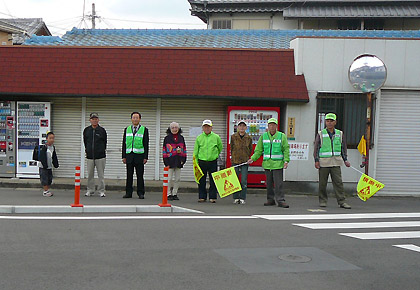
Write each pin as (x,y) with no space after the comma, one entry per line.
(243,169)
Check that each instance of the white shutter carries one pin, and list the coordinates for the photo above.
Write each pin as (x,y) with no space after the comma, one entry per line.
(114,116)
(398,144)
(66,124)
(191,113)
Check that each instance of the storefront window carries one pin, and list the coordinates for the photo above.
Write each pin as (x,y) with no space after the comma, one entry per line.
(351,114)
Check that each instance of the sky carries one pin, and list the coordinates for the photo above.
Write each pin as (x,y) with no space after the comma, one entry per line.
(62,15)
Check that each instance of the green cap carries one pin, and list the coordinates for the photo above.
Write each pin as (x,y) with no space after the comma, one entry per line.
(272,120)
(330,116)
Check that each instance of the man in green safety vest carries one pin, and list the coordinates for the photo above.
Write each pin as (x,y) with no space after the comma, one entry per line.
(135,152)
(329,153)
(274,147)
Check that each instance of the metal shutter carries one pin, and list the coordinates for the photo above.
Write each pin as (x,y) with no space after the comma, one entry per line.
(398,145)
(191,113)
(114,116)
(66,124)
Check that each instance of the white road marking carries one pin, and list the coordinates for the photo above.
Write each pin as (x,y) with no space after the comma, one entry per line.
(383,235)
(409,247)
(368,225)
(120,217)
(340,216)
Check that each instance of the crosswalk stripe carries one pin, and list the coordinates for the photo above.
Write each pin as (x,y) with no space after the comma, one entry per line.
(340,216)
(383,235)
(409,247)
(367,225)
(131,217)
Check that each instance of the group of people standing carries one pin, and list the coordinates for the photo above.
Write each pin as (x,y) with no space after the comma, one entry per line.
(135,153)
(329,153)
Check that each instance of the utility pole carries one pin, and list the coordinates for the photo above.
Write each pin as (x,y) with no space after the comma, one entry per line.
(93,16)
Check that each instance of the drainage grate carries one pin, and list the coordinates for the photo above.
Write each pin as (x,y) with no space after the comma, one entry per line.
(295,258)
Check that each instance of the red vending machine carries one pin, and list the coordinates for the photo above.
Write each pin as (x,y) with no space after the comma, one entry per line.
(256,119)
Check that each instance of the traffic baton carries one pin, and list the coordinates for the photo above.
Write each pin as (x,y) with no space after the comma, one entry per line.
(165,188)
(77,188)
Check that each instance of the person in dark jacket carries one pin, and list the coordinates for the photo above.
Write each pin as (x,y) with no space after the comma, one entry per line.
(174,155)
(47,159)
(135,152)
(95,139)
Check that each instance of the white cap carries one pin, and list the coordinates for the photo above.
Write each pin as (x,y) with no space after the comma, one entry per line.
(207,122)
(241,121)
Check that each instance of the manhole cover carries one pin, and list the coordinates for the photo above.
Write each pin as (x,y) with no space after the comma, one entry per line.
(295,258)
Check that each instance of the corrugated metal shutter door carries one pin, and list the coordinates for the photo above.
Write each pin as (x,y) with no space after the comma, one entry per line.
(398,158)
(114,116)
(66,124)
(191,113)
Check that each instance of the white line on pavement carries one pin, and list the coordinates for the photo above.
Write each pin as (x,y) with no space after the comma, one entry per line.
(370,225)
(409,247)
(120,217)
(383,235)
(340,216)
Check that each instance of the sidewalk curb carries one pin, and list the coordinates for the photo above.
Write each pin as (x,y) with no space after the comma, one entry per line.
(19,209)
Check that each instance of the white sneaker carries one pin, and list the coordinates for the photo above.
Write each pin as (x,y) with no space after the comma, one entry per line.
(241,201)
(102,194)
(89,193)
(47,193)
(236,201)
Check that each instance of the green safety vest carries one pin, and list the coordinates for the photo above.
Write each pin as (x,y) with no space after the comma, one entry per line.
(137,147)
(330,147)
(272,150)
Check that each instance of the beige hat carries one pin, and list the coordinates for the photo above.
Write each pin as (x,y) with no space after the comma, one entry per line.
(207,122)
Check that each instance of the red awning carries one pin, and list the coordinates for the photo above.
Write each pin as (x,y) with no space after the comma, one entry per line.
(153,72)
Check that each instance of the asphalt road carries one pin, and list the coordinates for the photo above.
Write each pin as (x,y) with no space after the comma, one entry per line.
(227,247)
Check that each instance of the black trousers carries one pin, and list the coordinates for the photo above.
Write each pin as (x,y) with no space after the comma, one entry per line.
(208,167)
(139,166)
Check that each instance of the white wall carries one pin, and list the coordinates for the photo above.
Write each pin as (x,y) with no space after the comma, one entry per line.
(276,22)
(280,23)
(324,62)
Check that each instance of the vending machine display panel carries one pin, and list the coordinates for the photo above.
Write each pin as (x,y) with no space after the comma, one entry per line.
(256,119)
(33,122)
(7,139)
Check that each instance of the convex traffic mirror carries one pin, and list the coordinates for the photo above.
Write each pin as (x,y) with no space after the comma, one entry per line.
(367,73)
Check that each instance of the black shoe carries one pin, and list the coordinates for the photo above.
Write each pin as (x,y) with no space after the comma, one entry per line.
(141,196)
(127,196)
(175,197)
(345,205)
(170,197)
(283,204)
(269,202)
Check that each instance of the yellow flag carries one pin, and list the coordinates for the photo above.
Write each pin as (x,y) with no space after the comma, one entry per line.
(198,173)
(367,187)
(362,146)
(226,181)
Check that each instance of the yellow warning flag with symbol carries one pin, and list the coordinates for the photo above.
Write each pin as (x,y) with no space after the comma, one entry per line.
(226,181)
(198,173)
(367,187)
(362,146)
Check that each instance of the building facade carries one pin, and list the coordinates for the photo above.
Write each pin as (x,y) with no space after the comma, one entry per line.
(314,14)
(394,156)
(163,84)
